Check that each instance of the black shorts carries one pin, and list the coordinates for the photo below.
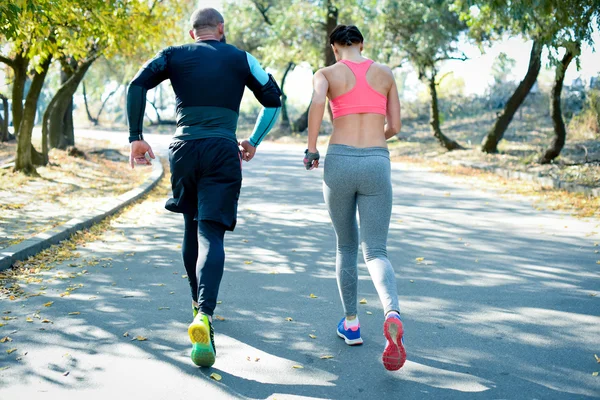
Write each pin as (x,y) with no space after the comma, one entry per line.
(206,178)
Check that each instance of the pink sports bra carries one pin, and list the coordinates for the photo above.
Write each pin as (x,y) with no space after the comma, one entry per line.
(362,98)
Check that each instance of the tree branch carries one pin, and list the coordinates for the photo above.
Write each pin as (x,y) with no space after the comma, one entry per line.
(262,10)
(463,58)
(7,61)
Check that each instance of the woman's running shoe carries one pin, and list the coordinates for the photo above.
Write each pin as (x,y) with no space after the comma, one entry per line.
(350,334)
(394,354)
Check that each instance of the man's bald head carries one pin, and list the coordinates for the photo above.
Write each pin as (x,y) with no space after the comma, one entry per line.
(206,18)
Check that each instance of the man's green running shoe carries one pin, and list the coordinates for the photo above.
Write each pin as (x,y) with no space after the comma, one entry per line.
(203,341)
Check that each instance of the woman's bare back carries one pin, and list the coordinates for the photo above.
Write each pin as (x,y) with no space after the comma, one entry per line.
(358,130)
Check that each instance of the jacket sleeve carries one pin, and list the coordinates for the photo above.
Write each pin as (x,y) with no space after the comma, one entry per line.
(267,92)
(149,76)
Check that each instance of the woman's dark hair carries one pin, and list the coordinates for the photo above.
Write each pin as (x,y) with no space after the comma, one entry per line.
(346,35)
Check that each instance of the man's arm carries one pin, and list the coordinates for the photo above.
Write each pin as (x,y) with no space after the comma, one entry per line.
(148,77)
(151,74)
(267,92)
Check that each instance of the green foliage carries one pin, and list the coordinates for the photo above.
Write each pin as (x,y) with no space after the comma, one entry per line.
(423,33)
(555,23)
(279,32)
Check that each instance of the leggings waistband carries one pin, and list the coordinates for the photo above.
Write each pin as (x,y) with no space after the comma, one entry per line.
(345,150)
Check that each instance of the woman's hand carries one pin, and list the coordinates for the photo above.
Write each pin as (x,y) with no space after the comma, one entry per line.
(311,159)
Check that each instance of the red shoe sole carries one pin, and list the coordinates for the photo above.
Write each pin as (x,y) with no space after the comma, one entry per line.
(394,354)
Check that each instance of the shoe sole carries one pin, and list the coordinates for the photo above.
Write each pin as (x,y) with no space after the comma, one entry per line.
(350,342)
(394,355)
(202,352)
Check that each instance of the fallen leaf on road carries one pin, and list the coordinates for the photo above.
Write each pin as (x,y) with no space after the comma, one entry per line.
(248,262)
(65,294)
(46,321)
(161,284)
(140,338)
(597,358)
(289,319)
(369,313)
(273,273)
(1,325)
(256,359)
(48,304)
(184,276)
(312,336)
(11,297)
(411,281)
(66,373)
(325,357)
(74,313)
(420,259)
(10,351)
(164,308)
(245,240)
(219,318)
(363,301)
(5,339)
(8,318)
(29,319)
(4,368)
(219,302)
(297,366)
(126,334)
(215,376)
(594,373)
(312,296)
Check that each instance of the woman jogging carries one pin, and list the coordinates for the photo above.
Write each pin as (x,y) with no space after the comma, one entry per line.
(366,112)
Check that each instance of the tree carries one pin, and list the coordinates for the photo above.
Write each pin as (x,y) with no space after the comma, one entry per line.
(425,33)
(287,33)
(75,32)
(545,22)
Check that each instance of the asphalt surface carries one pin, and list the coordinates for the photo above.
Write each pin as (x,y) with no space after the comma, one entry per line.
(501,304)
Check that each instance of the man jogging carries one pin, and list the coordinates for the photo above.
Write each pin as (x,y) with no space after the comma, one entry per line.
(208,78)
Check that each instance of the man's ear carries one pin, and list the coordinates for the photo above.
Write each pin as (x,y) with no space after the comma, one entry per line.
(192,34)
(221,28)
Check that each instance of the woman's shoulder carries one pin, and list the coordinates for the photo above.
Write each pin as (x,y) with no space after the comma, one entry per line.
(382,67)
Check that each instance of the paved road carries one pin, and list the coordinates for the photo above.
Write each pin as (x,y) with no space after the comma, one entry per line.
(501,307)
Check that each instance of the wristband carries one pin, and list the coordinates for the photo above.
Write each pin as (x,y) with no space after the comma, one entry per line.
(133,138)
(310,158)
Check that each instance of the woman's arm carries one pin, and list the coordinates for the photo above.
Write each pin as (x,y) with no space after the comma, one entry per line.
(394,124)
(317,109)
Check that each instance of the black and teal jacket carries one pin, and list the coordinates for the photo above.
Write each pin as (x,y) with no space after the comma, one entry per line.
(208,78)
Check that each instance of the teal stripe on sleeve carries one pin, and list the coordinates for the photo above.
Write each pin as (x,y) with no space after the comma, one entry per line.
(265,122)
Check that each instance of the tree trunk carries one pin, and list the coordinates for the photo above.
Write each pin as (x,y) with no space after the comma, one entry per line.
(301,124)
(490,143)
(20,65)
(560,132)
(330,24)
(285,118)
(57,122)
(24,161)
(4,133)
(446,142)
(87,107)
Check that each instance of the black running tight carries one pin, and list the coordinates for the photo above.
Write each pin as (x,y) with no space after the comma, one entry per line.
(204,260)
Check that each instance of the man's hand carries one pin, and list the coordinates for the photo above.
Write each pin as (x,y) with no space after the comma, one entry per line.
(137,154)
(248,150)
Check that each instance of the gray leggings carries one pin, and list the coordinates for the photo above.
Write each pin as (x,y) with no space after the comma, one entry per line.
(361,177)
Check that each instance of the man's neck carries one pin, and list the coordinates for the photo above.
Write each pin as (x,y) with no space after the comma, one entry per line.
(205,37)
